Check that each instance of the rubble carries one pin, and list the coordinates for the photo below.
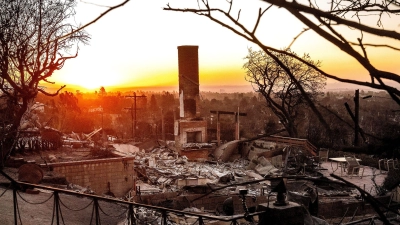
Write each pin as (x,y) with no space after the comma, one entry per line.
(77,188)
(169,179)
(163,171)
(212,185)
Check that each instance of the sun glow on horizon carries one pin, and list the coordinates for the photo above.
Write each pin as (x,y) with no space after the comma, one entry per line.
(207,76)
(88,80)
(142,50)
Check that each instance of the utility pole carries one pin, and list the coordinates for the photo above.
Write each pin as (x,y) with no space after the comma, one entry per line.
(133,112)
(237,127)
(355,118)
(102,124)
(162,125)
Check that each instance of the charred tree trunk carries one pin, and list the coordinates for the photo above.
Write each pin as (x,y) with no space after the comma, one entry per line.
(10,138)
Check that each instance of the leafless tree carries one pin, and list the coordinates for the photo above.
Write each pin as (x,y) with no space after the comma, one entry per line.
(279,91)
(327,23)
(327,20)
(36,38)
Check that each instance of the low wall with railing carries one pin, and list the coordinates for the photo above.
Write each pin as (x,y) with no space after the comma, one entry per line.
(50,206)
(56,206)
(112,176)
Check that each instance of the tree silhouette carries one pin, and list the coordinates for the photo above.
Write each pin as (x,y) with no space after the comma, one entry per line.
(102,91)
(36,38)
(167,101)
(30,51)
(279,91)
(67,108)
(153,106)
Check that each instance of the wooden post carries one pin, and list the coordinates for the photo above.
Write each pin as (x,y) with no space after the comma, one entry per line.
(218,130)
(356,117)
(236,114)
(236,126)
(162,125)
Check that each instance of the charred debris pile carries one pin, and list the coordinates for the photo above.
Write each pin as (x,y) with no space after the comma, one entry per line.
(214,186)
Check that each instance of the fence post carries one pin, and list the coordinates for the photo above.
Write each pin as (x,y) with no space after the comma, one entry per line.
(164,216)
(96,211)
(56,207)
(131,215)
(15,205)
(201,222)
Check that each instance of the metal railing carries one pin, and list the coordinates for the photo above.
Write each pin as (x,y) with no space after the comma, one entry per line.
(131,213)
(131,208)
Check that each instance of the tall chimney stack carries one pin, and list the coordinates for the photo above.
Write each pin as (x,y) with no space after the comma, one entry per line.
(188,65)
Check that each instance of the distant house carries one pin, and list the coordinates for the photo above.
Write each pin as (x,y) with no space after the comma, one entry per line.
(96,109)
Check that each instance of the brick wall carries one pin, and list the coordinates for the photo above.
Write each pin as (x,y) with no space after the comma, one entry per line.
(192,126)
(96,174)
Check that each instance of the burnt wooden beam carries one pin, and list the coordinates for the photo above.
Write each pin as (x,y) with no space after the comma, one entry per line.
(229,113)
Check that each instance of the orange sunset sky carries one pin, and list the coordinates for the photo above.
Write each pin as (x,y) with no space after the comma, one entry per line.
(136,45)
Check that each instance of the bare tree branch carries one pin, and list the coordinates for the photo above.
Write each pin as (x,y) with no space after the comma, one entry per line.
(297,36)
(377,45)
(327,20)
(293,5)
(95,20)
(52,94)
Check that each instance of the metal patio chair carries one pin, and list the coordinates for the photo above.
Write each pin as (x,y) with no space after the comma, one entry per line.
(353,167)
(323,154)
(386,164)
